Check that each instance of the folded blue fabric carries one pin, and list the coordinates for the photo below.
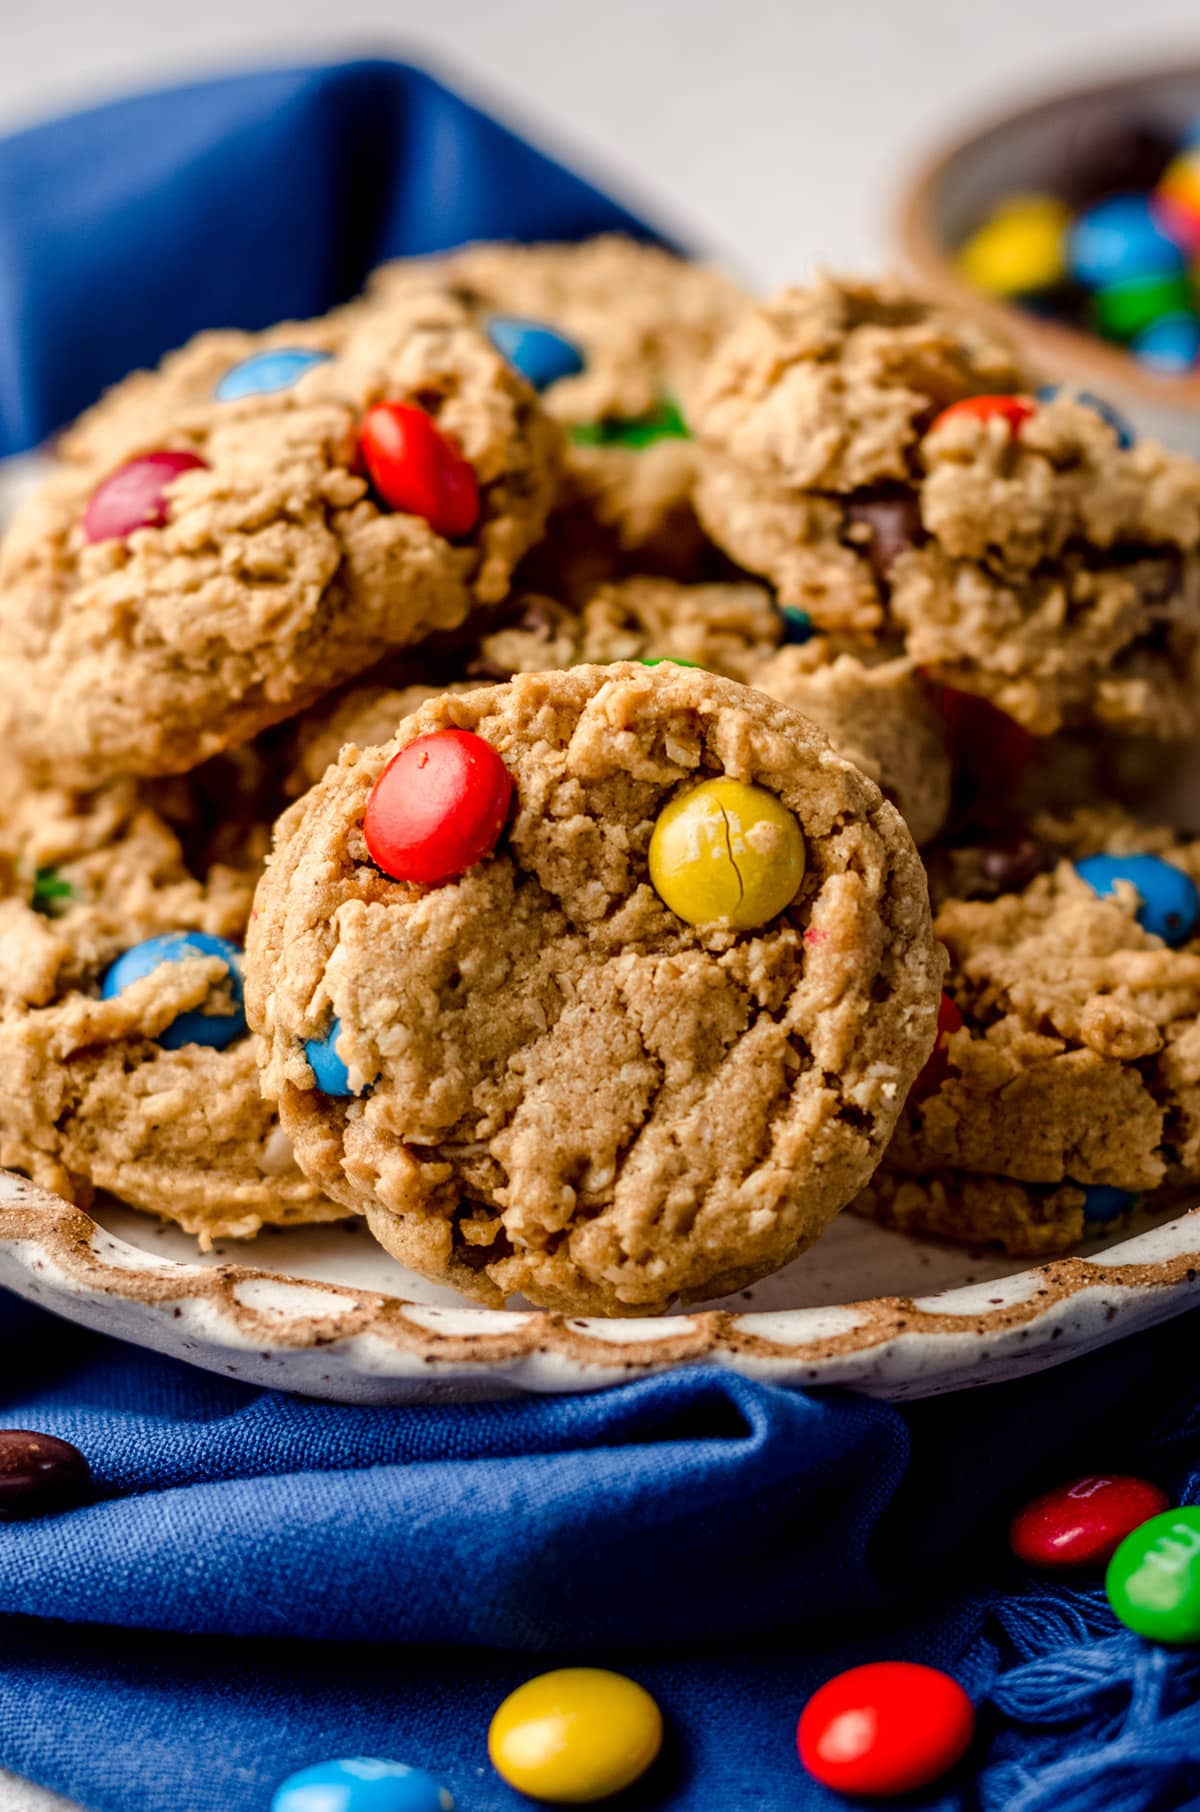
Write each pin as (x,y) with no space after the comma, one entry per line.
(235,203)
(264,1581)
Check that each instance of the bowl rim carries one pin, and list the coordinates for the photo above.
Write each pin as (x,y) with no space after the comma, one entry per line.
(349,1343)
(1056,344)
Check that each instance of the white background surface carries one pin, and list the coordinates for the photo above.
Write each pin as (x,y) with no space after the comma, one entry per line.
(774,132)
(774,129)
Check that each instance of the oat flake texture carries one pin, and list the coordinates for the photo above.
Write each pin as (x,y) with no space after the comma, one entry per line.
(564,1091)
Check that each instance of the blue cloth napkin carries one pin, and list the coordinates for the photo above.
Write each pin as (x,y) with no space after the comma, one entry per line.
(264,1582)
(235,203)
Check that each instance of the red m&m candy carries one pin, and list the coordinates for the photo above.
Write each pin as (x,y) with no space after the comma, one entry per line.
(888,1727)
(438,808)
(135,495)
(1012,409)
(984,739)
(418,469)
(949,1021)
(1083,1524)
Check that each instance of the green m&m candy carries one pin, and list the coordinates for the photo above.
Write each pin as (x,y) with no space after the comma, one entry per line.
(1123,309)
(663,422)
(1153,1579)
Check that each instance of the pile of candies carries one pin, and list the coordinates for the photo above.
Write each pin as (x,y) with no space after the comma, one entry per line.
(1111,244)
(577,1735)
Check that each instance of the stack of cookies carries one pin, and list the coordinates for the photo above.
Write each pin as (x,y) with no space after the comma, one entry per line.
(482,761)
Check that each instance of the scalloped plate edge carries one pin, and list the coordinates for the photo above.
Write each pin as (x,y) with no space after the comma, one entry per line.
(355,1346)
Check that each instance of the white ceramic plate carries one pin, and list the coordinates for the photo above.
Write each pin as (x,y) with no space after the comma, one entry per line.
(323,1311)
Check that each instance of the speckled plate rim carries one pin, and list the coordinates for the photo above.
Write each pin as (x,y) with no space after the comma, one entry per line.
(353,1345)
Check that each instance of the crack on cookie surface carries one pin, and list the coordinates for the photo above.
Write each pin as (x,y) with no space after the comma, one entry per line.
(624,1069)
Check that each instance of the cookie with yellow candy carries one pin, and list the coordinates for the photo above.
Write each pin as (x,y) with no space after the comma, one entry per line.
(727,852)
(571,1065)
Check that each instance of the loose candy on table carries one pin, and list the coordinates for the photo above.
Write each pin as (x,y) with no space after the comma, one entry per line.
(1097,404)
(194,1027)
(1120,238)
(887,1728)
(1021,247)
(438,808)
(576,1735)
(726,851)
(1082,1524)
(418,469)
(1013,410)
(1102,1203)
(361,1784)
(39,1474)
(1171,345)
(1169,903)
(1153,1579)
(330,1073)
(135,495)
(267,373)
(541,354)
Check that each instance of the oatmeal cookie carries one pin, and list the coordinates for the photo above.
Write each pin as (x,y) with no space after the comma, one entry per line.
(533,1074)
(104,1088)
(874,709)
(1022,551)
(1070,1051)
(641,323)
(1025,1220)
(268,569)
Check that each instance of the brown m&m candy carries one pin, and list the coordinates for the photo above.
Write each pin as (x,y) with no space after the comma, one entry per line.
(39,1474)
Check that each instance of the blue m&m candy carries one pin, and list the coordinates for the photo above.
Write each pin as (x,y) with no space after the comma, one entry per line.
(1098,406)
(1120,238)
(332,1076)
(263,373)
(1171,344)
(1101,1202)
(797,624)
(1170,904)
(361,1784)
(196,1027)
(541,354)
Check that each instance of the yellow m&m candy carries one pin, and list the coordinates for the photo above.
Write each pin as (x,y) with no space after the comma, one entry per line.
(727,851)
(1020,248)
(575,1735)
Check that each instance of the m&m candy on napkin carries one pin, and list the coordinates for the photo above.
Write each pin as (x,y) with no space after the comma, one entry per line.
(889,1727)
(362,1784)
(576,1735)
(1083,1523)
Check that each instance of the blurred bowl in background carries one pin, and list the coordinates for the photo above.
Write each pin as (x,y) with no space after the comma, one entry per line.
(1028,151)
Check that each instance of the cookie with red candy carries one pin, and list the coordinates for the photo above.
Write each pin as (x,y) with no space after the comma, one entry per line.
(225,540)
(886,464)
